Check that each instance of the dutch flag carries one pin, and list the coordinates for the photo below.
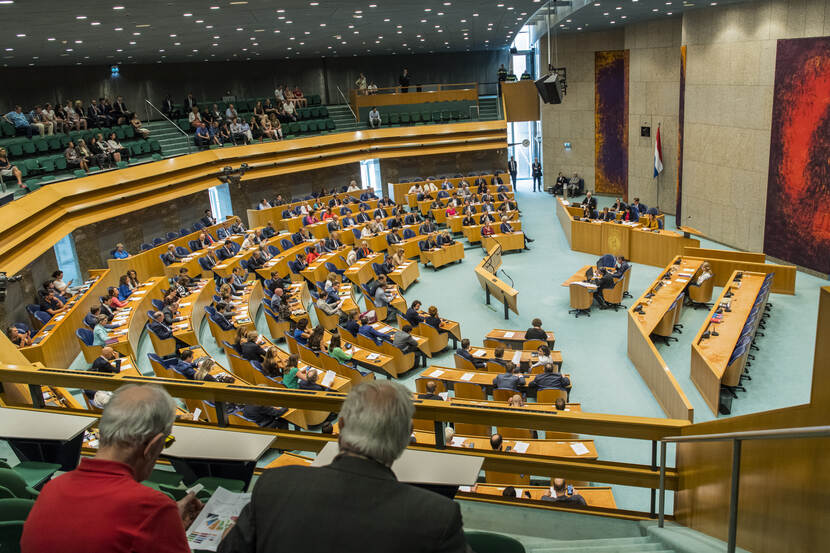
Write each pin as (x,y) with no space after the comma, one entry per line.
(658,155)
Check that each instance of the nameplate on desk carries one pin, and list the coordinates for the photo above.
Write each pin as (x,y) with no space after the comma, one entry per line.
(436,373)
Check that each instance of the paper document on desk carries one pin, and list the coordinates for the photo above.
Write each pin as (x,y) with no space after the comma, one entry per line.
(681,280)
(386,329)
(372,356)
(444,395)
(586,285)
(517,357)
(219,514)
(509,334)
(579,448)
(457,441)
(467,376)
(480,353)
(521,447)
(466,489)
(328,380)
(185,304)
(436,373)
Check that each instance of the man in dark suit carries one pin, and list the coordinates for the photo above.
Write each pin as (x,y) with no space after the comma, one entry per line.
(170,256)
(509,380)
(369,331)
(189,103)
(104,362)
(589,201)
(265,416)
(513,169)
(221,318)
(464,351)
(536,172)
(431,387)
(208,220)
(250,349)
(353,324)
(163,331)
(427,228)
(550,380)
(310,383)
(375,425)
(562,498)
(227,251)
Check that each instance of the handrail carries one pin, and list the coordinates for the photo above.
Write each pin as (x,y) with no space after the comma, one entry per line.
(347,102)
(178,128)
(737,438)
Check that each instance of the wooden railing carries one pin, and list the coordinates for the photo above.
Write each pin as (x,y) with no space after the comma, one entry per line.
(34,223)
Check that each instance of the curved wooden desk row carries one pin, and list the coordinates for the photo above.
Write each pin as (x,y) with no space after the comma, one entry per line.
(260,217)
(36,222)
(148,263)
(724,263)
(55,345)
(641,350)
(711,355)
(655,248)
(576,422)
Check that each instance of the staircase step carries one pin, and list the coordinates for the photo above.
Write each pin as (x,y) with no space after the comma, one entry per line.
(619,545)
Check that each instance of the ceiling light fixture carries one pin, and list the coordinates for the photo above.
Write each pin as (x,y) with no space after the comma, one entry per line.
(80,17)
(187,14)
(118,7)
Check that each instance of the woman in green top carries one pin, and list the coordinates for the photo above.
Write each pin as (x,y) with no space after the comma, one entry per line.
(291,373)
(335,351)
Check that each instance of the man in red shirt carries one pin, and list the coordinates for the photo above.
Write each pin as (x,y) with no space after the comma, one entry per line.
(101,507)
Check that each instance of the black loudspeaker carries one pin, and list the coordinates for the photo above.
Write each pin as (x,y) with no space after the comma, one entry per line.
(550,88)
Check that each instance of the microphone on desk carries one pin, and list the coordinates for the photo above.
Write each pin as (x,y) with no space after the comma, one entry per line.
(705,335)
(728,294)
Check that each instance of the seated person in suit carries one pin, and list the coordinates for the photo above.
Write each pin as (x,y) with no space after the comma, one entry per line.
(606,215)
(256,262)
(333,242)
(507,228)
(367,330)
(252,349)
(496,442)
(107,362)
(589,213)
(486,217)
(375,428)
(487,229)
(433,319)
(266,416)
(163,331)
(412,316)
(589,201)
(186,365)
(91,318)
(269,231)
(431,386)
(171,256)
(603,280)
(551,380)
(393,237)
(310,383)
(468,221)
(619,205)
(353,323)
(170,312)
(560,495)
(334,223)
(237,227)
(444,239)
(301,333)
(227,251)
(237,279)
(464,351)
(498,356)
(208,219)
(429,243)
(509,380)
(404,341)
(329,308)
(621,267)
(364,250)
(428,227)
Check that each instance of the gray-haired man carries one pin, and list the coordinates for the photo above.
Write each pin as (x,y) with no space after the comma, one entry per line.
(365,508)
(101,505)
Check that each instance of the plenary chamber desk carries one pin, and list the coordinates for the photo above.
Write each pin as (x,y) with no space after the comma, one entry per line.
(656,248)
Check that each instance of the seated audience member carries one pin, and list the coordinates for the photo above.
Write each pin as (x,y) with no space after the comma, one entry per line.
(510,491)
(202,136)
(138,129)
(703,274)
(74,160)
(542,356)
(509,380)
(431,386)
(412,314)
(18,337)
(99,332)
(606,215)
(496,441)
(368,331)
(163,331)
(383,298)
(404,341)
(336,351)
(107,362)
(535,331)
(653,222)
(185,365)
(301,333)
(119,252)
(292,373)
(560,495)
(315,341)
(310,383)
(589,201)
(551,380)
(266,416)
(252,349)
(574,185)
(374,118)
(112,298)
(352,324)
(127,516)
(9,170)
(464,351)
(375,427)
(171,255)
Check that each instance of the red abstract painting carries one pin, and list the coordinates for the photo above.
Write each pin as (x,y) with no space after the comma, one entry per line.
(797,227)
